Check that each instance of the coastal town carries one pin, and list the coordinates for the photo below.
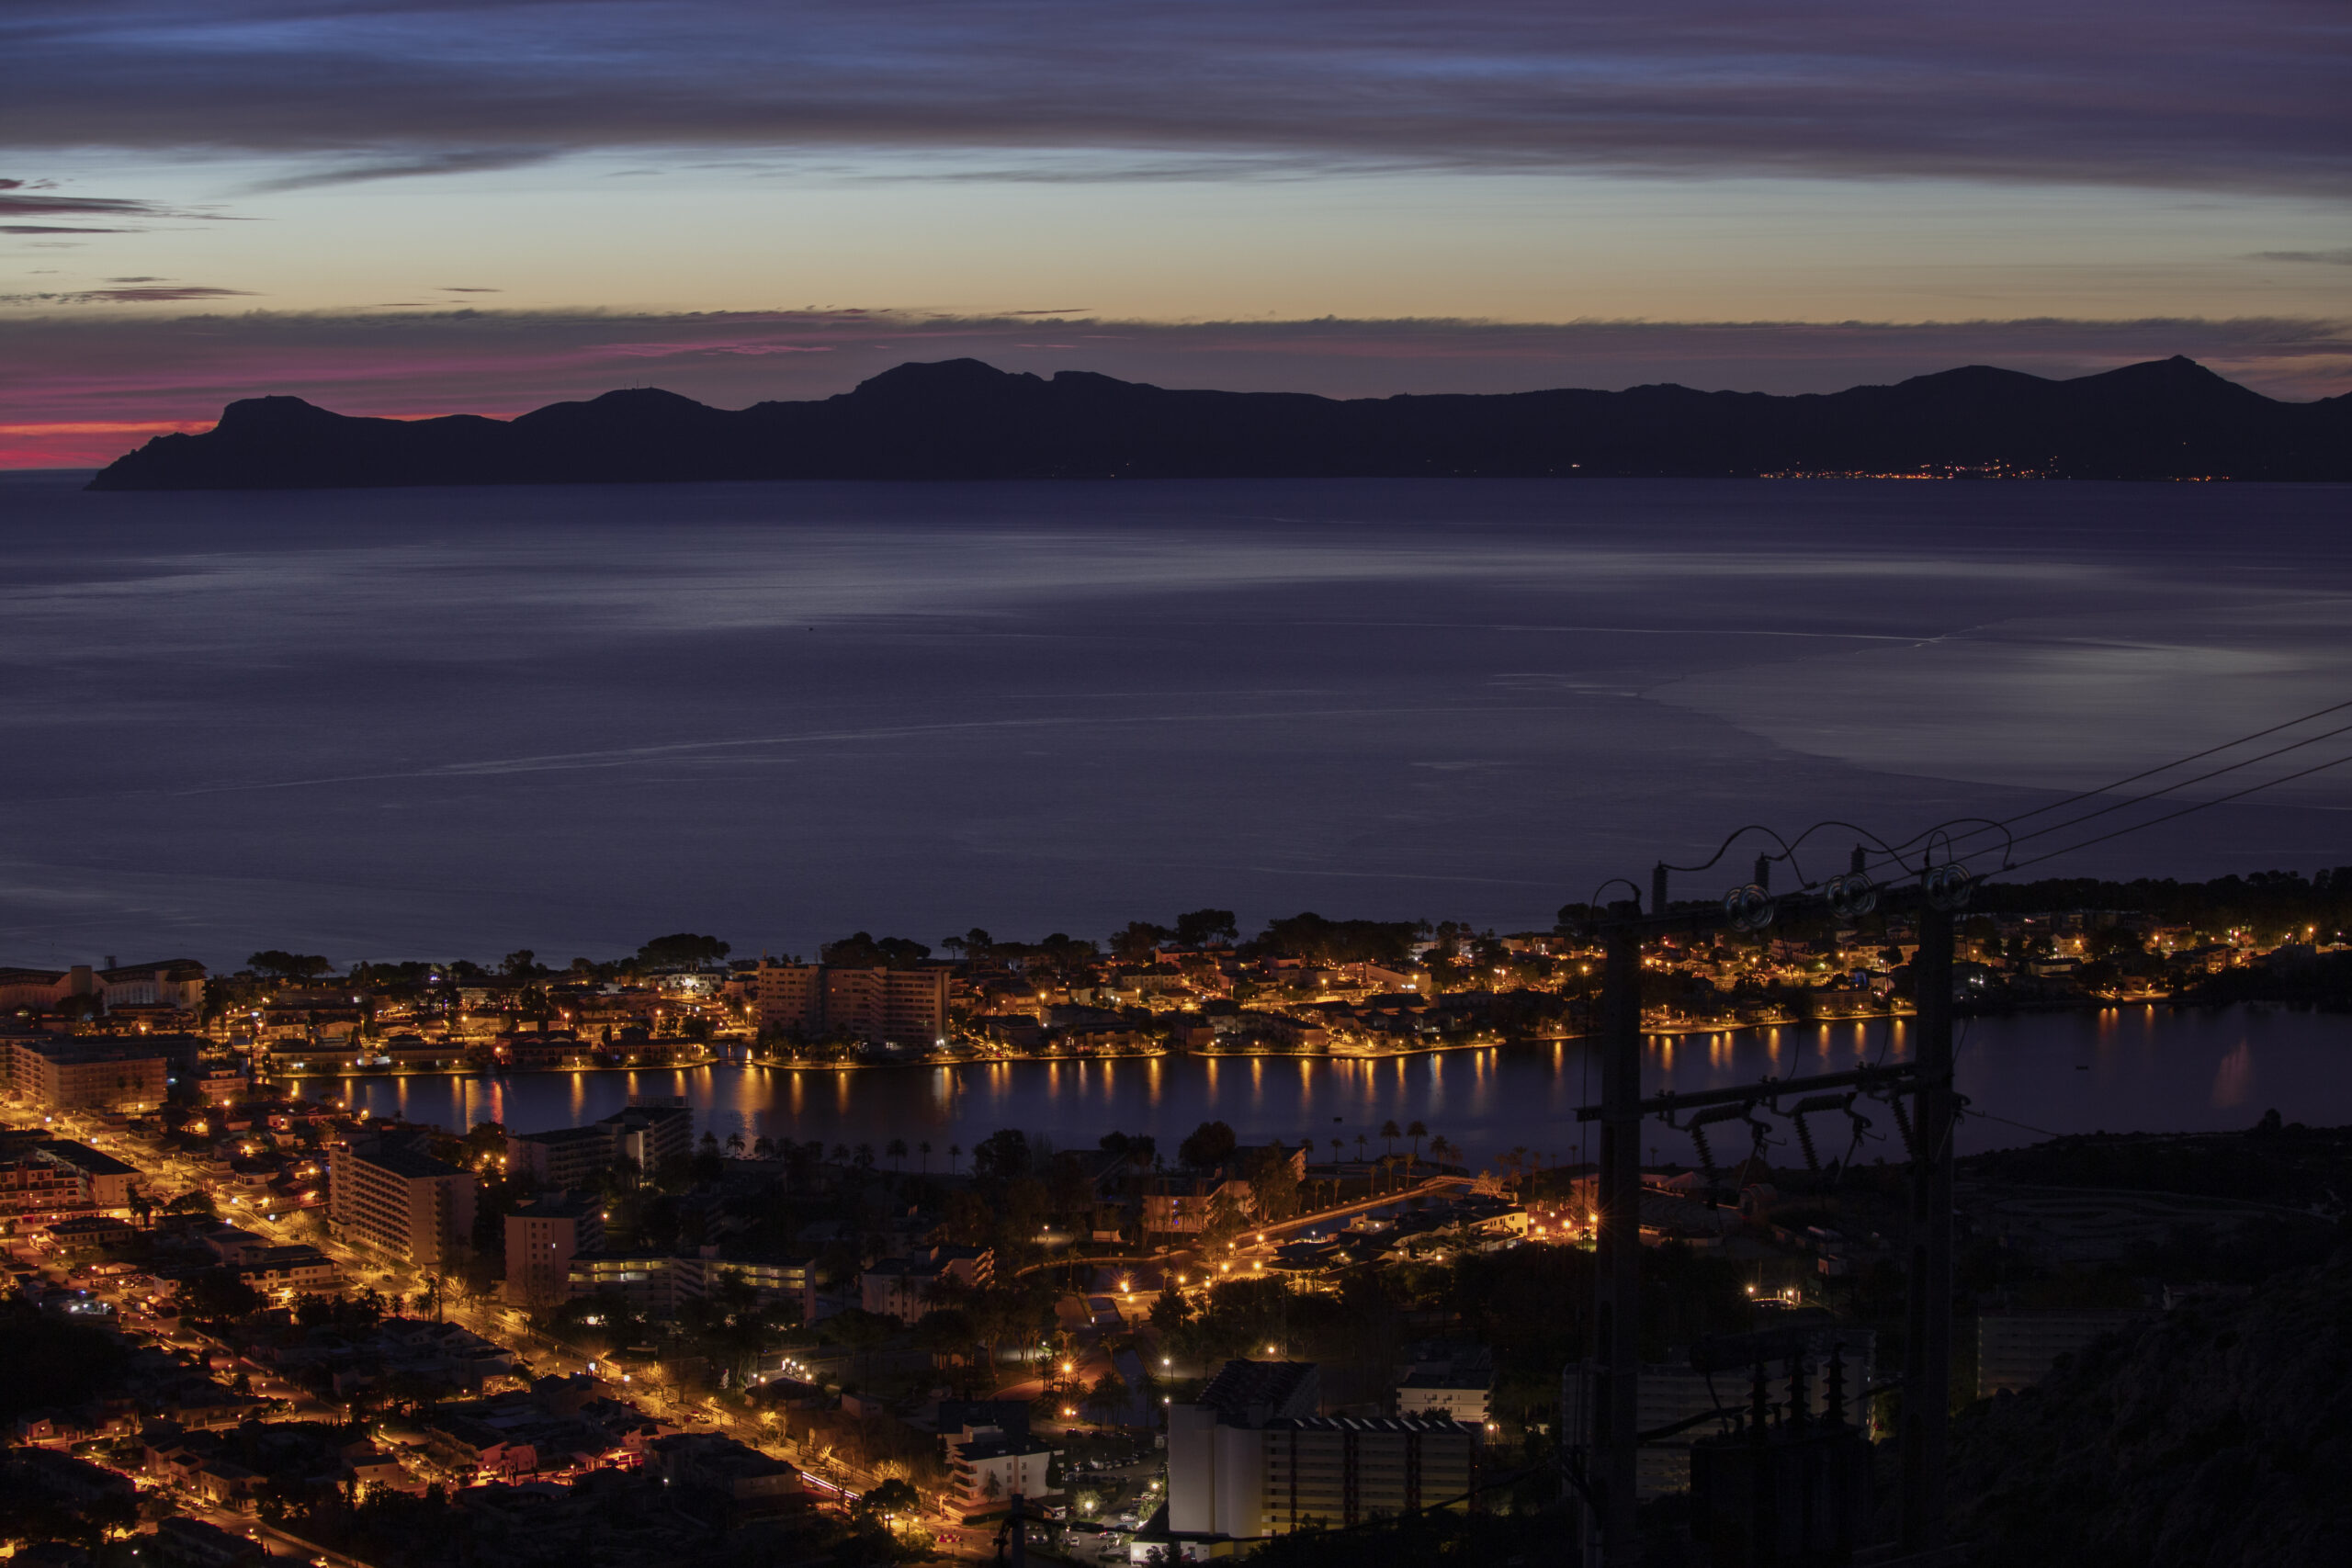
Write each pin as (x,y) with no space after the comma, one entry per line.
(1304,985)
(250,1319)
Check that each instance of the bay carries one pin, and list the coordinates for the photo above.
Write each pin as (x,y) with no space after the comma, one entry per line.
(384,725)
(454,723)
(2025,1076)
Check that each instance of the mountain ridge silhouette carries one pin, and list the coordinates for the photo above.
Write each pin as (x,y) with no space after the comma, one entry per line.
(962,419)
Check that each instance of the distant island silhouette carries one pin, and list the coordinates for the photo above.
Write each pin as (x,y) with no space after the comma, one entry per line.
(960,419)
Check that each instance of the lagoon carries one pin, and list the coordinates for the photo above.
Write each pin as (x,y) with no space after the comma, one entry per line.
(2117,1070)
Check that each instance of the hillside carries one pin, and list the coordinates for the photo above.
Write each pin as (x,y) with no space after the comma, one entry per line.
(2213,1436)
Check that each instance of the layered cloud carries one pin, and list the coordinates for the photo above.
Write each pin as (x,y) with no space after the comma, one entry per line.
(138,293)
(2150,92)
(80,389)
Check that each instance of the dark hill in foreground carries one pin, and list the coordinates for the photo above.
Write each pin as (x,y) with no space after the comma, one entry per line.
(964,420)
(2215,1436)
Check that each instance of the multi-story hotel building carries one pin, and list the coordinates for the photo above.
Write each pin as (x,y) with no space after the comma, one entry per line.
(906,1007)
(387,1194)
(62,1073)
(571,1156)
(1250,1459)
(174,983)
(30,1185)
(542,1238)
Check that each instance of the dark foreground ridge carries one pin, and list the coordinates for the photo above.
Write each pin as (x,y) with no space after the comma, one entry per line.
(962,420)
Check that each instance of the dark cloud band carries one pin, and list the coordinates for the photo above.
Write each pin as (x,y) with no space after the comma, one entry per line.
(2177,92)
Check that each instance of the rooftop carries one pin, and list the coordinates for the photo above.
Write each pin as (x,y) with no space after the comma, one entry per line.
(1267,1388)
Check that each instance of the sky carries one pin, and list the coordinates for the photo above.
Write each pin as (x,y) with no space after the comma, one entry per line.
(399,206)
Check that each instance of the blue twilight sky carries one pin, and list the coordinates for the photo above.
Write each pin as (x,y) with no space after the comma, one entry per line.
(397,205)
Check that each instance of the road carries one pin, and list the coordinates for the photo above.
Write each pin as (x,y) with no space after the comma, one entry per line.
(1269,1233)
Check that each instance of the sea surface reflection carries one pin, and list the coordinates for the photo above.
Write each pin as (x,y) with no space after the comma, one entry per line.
(2139,1069)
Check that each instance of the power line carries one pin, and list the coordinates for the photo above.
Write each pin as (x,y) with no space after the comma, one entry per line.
(2186,810)
(2020,1127)
(1892,852)
(2177,762)
(2153,795)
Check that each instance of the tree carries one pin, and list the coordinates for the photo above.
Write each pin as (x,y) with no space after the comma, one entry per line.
(1208,1145)
(1390,1132)
(1416,1132)
(681,950)
(976,945)
(1317,941)
(288,965)
(1275,1185)
(893,1497)
(1004,1153)
(1199,928)
(955,1153)
(1137,941)
(923,1149)
(947,1331)
(218,1292)
(896,1149)
(1170,1310)
(520,963)
(624,1176)
(1108,1399)
(196,1202)
(486,1141)
(1225,1221)
(863,951)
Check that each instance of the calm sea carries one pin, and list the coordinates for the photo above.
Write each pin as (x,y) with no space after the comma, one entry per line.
(2129,1068)
(454,723)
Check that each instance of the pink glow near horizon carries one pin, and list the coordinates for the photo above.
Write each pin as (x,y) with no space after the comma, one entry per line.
(75,397)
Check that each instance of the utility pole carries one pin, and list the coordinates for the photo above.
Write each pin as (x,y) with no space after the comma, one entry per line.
(1926,1361)
(1602,1405)
(1016,1536)
(1616,1366)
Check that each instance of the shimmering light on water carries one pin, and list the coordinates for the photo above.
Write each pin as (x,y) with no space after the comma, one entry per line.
(403,724)
(2147,1069)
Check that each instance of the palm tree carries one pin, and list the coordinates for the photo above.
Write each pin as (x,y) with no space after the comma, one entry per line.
(735,1146)
(1339,1148)
(1390,1132)
(955,1153)
(923,1148)
(896,1149)
(764,1147)
(1441,1151)
(1416,1132)
(1361,1141)
(841,1154)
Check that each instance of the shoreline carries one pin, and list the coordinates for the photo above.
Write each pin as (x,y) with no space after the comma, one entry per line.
(1660,1031)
